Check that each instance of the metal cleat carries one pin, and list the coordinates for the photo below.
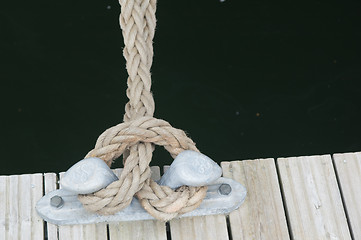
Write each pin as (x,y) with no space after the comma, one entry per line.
(191,168)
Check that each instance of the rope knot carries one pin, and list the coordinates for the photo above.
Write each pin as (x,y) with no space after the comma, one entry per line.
(138,137)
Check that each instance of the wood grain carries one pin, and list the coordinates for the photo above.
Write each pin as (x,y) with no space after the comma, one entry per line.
(312,197)
(261,216)
(18,196)
(348,169)
(205,227)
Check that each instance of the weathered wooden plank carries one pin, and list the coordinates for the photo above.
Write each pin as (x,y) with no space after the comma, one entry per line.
(348,169)
(36,186)
(18,196)
(24,206)
(86,232)
(150,229)
(312,198)
(204,227)
(13,209)
(50,184)
(4,225)
(261,216)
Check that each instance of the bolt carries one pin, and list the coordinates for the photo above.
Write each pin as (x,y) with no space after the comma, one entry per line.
(225,189)
(56,201)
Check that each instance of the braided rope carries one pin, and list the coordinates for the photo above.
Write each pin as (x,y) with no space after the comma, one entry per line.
(137,20)
(135,138)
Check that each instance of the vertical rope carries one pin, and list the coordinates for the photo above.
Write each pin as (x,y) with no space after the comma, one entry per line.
(137,20)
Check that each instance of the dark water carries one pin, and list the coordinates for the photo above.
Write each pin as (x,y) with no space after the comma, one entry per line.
(245,79)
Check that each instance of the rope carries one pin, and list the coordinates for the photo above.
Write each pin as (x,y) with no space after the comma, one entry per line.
(137,20)
(136,136)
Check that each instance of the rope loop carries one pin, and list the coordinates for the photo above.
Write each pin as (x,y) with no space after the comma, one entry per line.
(138,138)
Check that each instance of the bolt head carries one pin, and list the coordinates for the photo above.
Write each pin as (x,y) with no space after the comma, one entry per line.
(225,189)
(56,201)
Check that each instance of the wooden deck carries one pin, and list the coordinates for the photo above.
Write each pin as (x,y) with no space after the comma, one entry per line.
(314,197)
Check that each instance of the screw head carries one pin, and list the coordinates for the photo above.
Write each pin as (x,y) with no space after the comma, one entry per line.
(225,189)
(56,201)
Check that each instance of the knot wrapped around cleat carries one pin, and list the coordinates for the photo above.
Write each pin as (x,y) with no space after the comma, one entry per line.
(138,137)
